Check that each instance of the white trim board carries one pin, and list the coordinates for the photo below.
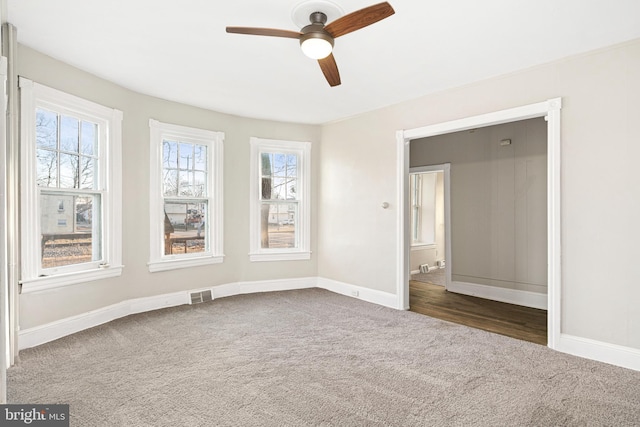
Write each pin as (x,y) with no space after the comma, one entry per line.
(60,328)
(52,331)
(612,354)
(370,295)
(511,296)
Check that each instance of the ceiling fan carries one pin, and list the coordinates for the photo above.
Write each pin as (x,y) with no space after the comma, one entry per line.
(316,39)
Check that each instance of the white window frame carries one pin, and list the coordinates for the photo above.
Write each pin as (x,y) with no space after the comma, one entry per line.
(214,141)
(420,227)
(303,150)
(32,96)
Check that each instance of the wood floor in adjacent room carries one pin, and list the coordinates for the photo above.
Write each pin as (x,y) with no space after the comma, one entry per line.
(524,323)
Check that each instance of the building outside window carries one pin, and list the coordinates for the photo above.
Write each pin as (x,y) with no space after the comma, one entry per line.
(279,200)
(186,196)
(71,192)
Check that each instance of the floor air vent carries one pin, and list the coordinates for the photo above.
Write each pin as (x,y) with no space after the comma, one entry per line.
(424,268)
(203,296)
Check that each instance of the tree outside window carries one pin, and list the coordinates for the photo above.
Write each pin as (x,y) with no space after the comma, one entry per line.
(280,190)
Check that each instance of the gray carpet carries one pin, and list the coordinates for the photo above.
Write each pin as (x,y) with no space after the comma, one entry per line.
(314,358)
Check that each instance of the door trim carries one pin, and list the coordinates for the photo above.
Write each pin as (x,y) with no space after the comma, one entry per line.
(549,109)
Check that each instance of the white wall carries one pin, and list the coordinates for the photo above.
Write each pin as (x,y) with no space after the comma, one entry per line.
(498,202)
(600,177)
(48,306)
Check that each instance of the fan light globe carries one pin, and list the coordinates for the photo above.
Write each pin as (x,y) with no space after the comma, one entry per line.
(316,48)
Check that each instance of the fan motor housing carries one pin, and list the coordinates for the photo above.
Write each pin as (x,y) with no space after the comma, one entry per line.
(316,30)
(315,33)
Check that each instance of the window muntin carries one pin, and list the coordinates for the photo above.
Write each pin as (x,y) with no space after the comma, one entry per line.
(280,200)
(67,159)
(184,171)
(186,196)
(71,223)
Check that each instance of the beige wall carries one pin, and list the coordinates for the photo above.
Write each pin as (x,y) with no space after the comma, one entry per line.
(600,180)
(136,281)
(498,202)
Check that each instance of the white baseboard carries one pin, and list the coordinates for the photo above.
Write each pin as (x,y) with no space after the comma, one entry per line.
(613,354)
(596,350)
(239,288)
(511,296)
(52,331)
(370,295)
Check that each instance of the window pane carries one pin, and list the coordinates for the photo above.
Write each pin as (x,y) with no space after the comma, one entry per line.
(170,183)
(87,172)
(292,164)
(89,139)
(69,164)
(200,163)
(69,131)
(69,229)
(279,166)
(265,162)
(46,129)
(279,176)
(184,227)
(279,189)
(291,188)
(200,184)
(278,225)
(266,180)
(185,187)
(186,156)
(47,168)
(170,154)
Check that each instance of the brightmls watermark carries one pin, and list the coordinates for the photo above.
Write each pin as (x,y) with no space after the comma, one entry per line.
(34,415)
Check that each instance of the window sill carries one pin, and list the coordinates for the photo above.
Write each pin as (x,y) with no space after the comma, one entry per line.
(50,282)
(174,264)
(279,256)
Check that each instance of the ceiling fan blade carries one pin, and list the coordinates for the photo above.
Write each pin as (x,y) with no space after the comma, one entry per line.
(330,70)
(359,19)
(264,32)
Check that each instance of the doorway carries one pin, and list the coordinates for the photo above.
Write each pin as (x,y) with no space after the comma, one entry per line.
(550,110)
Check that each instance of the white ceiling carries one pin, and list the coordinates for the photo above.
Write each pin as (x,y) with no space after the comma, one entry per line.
(179,50)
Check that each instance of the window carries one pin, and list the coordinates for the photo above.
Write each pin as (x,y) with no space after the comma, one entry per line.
(423,212)
(280,187)
(71,188)
(186,197)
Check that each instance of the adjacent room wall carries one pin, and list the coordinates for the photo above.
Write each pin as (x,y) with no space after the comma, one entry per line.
(48,306)
(600,92)
(498,202)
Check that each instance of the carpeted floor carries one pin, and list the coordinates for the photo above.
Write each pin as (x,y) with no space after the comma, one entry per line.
(310,358)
